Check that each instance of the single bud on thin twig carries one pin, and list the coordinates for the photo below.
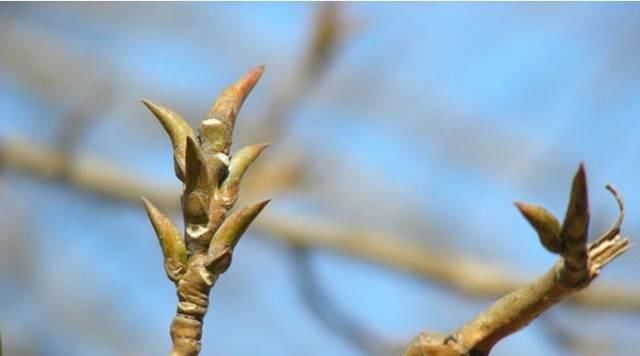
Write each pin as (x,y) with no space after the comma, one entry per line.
(239,164)
(576,221)
(234,226)
(177,129)
(545,223)
(173,248)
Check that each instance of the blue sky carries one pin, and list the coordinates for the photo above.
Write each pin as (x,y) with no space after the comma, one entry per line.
(446,111)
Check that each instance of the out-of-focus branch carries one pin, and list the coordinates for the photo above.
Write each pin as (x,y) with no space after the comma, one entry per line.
(578,345)
(20,268)
(47,76)
(336,320)
(327,33)
(78,120)
(463,275)
(326,36)
(471,278)
(87,174)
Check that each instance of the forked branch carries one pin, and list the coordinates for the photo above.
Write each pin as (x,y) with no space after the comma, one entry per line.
(195,259)
(579,265)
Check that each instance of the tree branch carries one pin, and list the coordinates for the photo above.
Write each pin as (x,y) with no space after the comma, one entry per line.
(211,179)
(579,266)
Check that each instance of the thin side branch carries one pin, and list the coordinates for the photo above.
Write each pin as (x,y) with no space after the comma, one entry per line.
(579,266)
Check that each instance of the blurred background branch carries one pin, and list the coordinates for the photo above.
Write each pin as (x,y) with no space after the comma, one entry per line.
(464,275)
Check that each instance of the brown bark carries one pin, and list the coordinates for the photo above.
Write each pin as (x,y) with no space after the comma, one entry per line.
(579,266)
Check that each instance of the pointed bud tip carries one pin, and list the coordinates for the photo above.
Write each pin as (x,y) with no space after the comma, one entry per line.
(255,209)
(581,173)
(523,207)
(153,107)
(236,224)
(264,203)
(578,198)
(191,143)
(155,215)
(260,147)
(148,206)
(250,79)
(259,70)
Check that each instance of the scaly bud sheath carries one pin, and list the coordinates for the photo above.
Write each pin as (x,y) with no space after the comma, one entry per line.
(177,129)
(196,197)
(574,233)
(545,223)
(234,226)
(173,248)
(576,221)
(197,175)
(216,135)
(239,164)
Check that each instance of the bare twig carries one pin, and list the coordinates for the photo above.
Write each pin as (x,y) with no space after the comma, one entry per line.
(579,266)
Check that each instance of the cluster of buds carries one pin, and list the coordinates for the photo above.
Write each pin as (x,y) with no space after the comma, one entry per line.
(211,180)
